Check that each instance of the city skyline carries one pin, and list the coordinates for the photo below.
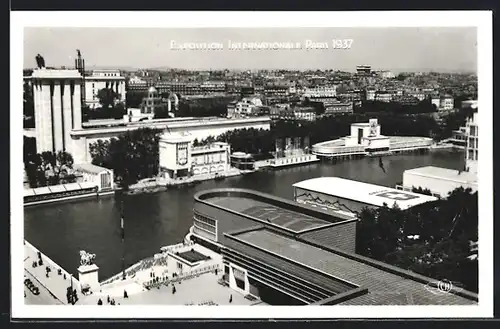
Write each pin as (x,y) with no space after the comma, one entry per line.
(440,49)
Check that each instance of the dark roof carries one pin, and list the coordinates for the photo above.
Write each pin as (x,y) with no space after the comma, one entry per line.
(386,284)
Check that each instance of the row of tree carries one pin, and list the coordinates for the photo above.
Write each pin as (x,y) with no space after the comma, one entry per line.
(434,239)
(133,156)
(47,168)
(327,128)
(424,106)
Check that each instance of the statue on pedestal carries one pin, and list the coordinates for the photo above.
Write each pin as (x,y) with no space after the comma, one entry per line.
(40,62)
(86,258)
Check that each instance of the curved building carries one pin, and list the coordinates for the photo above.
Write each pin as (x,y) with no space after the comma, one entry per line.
(285,253)
(366,139)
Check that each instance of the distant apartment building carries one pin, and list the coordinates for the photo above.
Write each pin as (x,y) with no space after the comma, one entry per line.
(386,74)
(151,102)
(436,101)
(338,108)
(406,100)
(103,79)
(363,69)
(211,87)
(180,88)
(320,92)
(287,112)
(279,89)
(370,95)
(381,96)
(446,103)
(418,95)
(304,113)
(245,107)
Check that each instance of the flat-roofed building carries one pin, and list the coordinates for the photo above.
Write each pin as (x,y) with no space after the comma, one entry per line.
(102,79)
(440,181)
(294,270)
(349,195)
(102,177)
(223,210)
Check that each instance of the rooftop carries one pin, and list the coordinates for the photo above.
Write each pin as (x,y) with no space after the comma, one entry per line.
(282,217)
(370,194)
(386,284)
(192,256)
(58,188)
(50,73)
(91,168)
(444,173)
(271,210)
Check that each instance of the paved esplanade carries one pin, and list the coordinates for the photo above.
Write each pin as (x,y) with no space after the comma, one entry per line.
(53,287)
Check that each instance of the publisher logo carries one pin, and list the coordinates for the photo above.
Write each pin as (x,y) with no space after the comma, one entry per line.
(440,287)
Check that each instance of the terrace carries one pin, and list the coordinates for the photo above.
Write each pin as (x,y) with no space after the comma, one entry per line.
(187,292)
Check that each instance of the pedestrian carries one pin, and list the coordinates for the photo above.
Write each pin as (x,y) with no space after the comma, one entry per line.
(125,295)
(99,302)
(231,298)
(109,299)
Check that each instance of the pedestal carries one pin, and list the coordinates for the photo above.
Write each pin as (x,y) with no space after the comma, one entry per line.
(89,274)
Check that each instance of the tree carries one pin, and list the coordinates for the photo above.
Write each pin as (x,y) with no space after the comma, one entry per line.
(433,239)
(162,112)
(107,97)
(50,168)
(99,152)
(420,190)
(133,155)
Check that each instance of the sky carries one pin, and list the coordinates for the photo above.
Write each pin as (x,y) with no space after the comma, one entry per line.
(397,49)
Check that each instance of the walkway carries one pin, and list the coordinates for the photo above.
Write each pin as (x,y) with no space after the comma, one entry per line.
(55,284)
(194,291)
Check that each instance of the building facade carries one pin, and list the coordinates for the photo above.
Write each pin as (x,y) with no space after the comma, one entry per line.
(446,103)
(101,79)
(211,159)
(178,157)
(57,102)
(338,108)
(472,149)
(103,178)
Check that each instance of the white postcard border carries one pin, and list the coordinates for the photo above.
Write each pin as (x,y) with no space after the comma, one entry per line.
(480,19)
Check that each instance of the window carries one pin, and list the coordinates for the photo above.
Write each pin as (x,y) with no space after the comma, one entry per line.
(470,155)
(473,130)
(179,266)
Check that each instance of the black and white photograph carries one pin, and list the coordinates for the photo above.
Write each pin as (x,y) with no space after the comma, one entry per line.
(302,165)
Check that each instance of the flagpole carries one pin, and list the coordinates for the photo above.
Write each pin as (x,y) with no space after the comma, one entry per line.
(122,226)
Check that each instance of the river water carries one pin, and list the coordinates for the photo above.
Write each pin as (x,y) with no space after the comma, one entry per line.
(155,220)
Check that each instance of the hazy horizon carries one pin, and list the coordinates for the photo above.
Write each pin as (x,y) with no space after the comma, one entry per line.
(397,49)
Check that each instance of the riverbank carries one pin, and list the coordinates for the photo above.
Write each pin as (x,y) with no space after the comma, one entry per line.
(161,184)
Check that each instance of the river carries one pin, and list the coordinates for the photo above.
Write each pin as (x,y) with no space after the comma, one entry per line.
(155,220)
